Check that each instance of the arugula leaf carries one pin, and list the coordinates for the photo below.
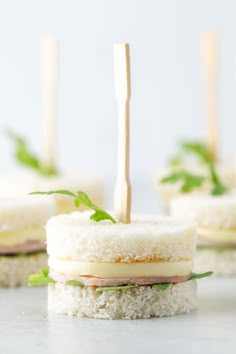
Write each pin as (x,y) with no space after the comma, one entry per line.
(25,157)
(218,187)
(217,248)
(112,288)
(82,198)
(192,181)
(44,271)
(161,286)
(58,191)
(174,177)
(24,254)
(198,149)
(176,161)
(40,279)
(200,275)
(189,181)
(74,283)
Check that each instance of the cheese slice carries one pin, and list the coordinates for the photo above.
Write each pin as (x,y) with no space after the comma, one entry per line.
(120,270)
(13,238)
(217,235)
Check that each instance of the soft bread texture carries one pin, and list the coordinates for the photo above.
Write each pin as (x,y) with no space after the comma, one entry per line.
(221,263)
(13,186)
(137,303)
(25,212)
(207,211)
(16,270)
(147,238)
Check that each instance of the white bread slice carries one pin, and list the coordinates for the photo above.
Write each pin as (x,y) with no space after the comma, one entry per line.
(16,270)
(207,211)
(147,238)
(223,263)
(137,303)
(21,184)
(216,217)
(25,212)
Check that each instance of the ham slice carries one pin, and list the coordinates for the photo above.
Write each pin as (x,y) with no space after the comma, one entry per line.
(91,281)
(206,243)
(28,246)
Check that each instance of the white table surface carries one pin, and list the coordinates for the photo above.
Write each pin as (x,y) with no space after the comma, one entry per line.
(25,326)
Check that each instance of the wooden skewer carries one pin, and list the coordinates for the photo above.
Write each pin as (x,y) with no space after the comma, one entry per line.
(122,92)
(49,77)
(210,65)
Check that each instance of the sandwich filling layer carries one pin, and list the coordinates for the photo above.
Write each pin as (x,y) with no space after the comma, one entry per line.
(27,240)
(26,247)
(22,223)
(12,238)
(93,281)
(148,272)
(217,235)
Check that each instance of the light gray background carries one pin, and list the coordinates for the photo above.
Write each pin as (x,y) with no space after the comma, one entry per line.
(167,79)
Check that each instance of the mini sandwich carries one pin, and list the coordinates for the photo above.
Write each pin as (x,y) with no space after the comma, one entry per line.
(216,219)
(22,237)
(119,271)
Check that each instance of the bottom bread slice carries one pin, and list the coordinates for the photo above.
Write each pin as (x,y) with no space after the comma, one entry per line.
(136,303)
(15,270)
(222,263)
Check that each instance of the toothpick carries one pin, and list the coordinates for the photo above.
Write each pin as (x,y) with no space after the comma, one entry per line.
(210,64)
(122,92)
(49,77)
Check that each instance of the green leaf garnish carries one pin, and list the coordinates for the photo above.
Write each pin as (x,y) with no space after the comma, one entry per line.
(176,161)
(216,248)
(196,148)
(82,198)
(24,254)
(188,180)
(200,275)
(25,157)
(218,187)
(161,286)
(59,191)
(74,283)
(115,288)
(40,279)
(44,271)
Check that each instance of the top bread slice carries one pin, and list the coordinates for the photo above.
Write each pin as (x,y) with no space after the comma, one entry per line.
(147,238)
(24,212)
(208,211)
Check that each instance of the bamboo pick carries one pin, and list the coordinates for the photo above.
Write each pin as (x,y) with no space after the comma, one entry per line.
(49,77)
(122,91)
(210,66)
